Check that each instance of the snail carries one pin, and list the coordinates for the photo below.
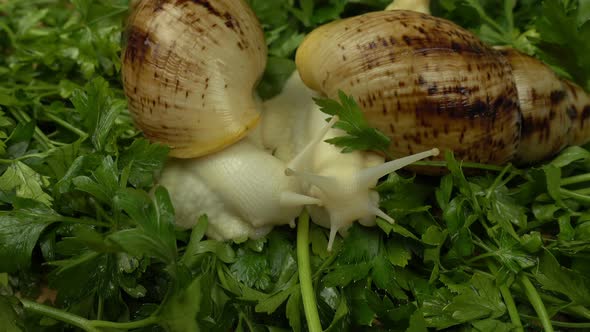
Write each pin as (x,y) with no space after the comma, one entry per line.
(189,70)
(419,79)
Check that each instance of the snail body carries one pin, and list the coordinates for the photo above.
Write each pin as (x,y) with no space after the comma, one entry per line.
(420,79)
(192,197)
(240,200)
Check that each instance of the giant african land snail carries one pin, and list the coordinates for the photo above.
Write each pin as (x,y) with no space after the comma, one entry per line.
(189,70)
(421,79)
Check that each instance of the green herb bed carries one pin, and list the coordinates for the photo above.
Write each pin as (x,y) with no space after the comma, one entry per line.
(505,249)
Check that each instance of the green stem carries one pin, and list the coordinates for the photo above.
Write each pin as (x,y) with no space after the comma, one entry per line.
(583,191)
(508,300)
(39,135)
(151,320)
(66,125)
(463,164)
(576,195)
(562,324)
(4,27)
(325,264)
(512,310)
(576,310)
(575,179)
(32,155)
(81,322)
(100,308)
(58,314)
(479,257)
(536,302)
(481,244)
(101,213)
(484,16)
(307,294)
(120,11)
(497,181)
(83,221)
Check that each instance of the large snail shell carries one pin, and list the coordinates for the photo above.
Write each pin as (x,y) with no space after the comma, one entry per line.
(425,81)
(189,70)
(421,80)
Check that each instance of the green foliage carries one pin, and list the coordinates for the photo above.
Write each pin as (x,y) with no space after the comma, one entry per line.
(81,213)
(571,283)
(252,269)
(360,136)
(19,232)
(562,30)
(555,31)
(10,315)
(25,182)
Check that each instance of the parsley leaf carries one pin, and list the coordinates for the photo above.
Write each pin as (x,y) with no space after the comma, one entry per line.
(252,269)
(476,300)
(9,314)
(84,275)
(507,23)
(360,136)
(99,110)
(155,235)
(19,231)
(26,182)
(103,184)
(555,277)
(563,36)
(144,160)
(180,312)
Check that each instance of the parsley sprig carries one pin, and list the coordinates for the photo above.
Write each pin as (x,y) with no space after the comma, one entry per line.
(360,135)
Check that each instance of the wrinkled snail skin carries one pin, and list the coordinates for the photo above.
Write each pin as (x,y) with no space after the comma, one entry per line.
(189,69)
(422,79)
(192,197)
(245,190)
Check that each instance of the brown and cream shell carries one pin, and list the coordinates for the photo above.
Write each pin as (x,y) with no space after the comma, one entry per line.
(189,72)
(425,81)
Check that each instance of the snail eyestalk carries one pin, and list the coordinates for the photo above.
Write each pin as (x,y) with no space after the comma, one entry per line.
(303,157)
(372,174)
(294,199)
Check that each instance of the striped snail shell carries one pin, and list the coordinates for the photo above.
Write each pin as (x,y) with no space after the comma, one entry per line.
(424,80)
(189,71)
